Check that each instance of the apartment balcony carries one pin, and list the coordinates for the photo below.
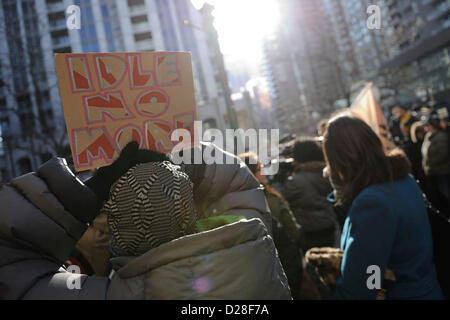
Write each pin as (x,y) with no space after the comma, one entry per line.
(140,27)
(58,24)
(67,49)
(55,7)
(60,42)
(138,10)
(145,45)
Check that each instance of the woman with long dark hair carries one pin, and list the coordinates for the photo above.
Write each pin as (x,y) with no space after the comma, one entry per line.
(387,225)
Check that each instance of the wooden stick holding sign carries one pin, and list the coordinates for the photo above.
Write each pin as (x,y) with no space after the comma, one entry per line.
(110,99)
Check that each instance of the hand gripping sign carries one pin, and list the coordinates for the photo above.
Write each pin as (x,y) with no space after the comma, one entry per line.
(110,99)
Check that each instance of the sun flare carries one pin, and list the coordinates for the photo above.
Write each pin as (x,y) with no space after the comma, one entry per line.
(243,24)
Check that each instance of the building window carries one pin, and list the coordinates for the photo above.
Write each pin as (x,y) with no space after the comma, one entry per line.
(105,12)
(3,105)
(108,29)
(4,127)
(111,45)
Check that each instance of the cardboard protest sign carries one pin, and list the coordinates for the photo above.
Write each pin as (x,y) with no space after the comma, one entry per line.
(366,108)
(110,99)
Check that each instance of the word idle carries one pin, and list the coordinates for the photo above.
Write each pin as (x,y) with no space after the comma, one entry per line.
(104,102)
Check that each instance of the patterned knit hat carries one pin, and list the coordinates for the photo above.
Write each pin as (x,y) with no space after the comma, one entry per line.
(150,205)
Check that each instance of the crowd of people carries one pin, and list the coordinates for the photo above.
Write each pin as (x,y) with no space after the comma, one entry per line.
(426,143)
(144,228)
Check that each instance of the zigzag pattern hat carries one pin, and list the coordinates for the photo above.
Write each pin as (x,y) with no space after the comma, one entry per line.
(150,205)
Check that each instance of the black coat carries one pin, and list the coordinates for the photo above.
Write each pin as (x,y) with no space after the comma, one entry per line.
(414,153)
(307,191)
(37,234)
(436,153)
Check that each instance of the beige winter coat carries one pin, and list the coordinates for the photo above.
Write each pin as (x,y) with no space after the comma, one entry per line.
(236,261)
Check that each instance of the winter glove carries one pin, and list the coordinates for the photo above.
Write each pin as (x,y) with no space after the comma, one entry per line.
(327,264)
(196,172)
(94,245)
(130,156)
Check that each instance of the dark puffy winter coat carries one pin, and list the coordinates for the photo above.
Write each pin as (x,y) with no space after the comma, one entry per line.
(435,153)
(414,153)
(38,233)
(307,191)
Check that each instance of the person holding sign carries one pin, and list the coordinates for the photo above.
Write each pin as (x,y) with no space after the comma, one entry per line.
(211,221)
(215,236)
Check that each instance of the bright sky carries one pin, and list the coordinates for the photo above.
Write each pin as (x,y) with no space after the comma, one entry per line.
(242,25)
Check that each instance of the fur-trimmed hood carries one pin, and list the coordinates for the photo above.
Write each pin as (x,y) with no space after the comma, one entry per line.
(400,164)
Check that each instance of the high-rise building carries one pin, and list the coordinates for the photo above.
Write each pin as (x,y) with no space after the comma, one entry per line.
(369,44)
(253,109)
(238,74)
(361,50)
(408,55)
(218,64)
(419,63)
(28,111)
(285,94)
(183,28)
(302,65)
(31,118)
